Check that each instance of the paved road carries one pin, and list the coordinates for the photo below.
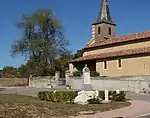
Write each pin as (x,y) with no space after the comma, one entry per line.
(25,90)
(135,96)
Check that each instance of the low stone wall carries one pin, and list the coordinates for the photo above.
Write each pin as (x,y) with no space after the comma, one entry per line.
(42,82)
(135,84)
(12,82)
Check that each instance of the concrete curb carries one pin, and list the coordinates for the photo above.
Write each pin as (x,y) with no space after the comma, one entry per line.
(142,115)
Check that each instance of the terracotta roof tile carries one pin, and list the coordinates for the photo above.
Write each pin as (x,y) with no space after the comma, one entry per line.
(120,39)
(113,54)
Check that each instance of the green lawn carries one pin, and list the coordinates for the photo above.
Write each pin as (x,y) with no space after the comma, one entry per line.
(16,106)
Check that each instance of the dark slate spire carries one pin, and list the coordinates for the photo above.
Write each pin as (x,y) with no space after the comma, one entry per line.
(104,14)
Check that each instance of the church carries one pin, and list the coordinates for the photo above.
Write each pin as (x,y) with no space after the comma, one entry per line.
(112,55)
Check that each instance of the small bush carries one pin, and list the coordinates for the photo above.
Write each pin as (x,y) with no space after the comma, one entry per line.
(102,95)
(113,96)
(59,96)
(77,73)
(94,74)
(119,97)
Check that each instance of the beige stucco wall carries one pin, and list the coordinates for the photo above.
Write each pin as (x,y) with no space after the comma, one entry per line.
(130,66)
(117,48)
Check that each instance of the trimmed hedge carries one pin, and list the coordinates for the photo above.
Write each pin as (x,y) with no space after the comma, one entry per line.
(59,96)
(68,96)
(94,74)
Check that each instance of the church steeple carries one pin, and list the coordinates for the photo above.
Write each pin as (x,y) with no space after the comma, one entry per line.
(104,27)
(104,13)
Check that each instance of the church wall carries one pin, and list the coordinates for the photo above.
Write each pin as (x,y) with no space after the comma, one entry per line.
(118,48)
(129,67)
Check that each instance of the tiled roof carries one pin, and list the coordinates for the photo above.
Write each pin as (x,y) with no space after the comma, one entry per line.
(113,54)
(120,39)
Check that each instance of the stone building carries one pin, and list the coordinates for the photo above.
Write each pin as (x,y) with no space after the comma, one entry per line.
(112,55)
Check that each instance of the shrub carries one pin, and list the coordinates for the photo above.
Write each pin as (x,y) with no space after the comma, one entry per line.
(59,96)
(69,96)
(119,97)
(102,95)
(113,96)
(68,87)
(77,73)
(94,74)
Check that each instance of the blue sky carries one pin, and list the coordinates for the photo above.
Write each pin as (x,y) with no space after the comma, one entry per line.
(76,16)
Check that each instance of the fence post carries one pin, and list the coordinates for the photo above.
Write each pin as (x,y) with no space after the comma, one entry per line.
(67,77)
(57,77)
(29,80)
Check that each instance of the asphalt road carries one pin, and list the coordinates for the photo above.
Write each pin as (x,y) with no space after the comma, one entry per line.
(135,96)
(28,91)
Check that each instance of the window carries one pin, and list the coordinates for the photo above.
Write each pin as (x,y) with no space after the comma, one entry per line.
(99,30)
(109,30)
(105,64)
(119,63)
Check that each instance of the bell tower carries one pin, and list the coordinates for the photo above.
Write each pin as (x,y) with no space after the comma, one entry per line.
(104,27)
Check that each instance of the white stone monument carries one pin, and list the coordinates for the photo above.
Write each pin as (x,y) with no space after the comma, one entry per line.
(87,92)
(86,79)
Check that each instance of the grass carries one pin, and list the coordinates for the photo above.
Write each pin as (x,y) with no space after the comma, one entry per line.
(11,82)
(17,106)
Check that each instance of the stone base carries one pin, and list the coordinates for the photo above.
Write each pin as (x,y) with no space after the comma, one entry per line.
(87,87)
